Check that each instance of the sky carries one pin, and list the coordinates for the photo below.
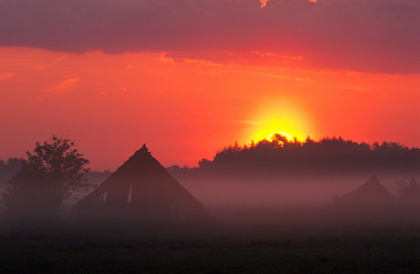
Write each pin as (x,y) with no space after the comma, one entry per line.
(188,77)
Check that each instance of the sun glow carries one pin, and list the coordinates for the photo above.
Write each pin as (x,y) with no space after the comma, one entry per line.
(268,128)
(282,117)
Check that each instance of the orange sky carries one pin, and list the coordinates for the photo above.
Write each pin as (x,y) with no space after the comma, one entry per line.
(112,104)
(187,102)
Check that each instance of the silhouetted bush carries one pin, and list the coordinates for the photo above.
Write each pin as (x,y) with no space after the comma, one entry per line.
(34,196)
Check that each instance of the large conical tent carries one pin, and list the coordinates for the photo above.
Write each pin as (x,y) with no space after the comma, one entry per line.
(371,193)
(141,191)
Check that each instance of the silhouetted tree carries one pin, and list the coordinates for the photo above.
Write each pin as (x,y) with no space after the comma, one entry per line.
(280,139)
(35,195)
(9,168)
(280,156)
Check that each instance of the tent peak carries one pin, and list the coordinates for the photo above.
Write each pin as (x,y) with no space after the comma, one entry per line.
(143,149)
(373,181)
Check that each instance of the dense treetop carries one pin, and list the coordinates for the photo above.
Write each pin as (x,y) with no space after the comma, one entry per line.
(310,157)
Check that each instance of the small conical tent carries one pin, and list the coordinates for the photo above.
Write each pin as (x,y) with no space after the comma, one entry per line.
(371,192)
(141,191)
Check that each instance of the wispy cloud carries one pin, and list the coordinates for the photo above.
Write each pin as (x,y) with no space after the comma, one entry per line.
(4,76)
(263,3)
(190,57)
(63,87)
(43,67)
(242,58)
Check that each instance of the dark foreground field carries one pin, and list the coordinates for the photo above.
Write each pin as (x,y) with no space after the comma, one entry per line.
(237,249)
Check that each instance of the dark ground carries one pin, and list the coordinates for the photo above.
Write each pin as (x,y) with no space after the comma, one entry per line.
(237,249)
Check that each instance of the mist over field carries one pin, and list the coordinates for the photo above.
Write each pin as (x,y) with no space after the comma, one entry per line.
(258,226)
(268,209)
(294,201)
(247,210)
(299,191)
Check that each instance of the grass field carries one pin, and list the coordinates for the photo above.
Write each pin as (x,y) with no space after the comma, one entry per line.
(233,249)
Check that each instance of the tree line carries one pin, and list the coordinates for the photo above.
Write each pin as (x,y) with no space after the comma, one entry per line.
(327,156)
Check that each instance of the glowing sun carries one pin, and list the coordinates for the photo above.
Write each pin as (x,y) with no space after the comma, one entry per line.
(275,116)
(266,130)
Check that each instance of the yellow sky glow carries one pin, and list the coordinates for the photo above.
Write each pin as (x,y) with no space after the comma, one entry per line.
(279,115)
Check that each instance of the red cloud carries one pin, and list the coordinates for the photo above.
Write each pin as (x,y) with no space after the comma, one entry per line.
(366,35)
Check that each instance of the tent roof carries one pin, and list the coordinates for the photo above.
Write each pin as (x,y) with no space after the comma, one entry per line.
(146,188)
(370,191)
